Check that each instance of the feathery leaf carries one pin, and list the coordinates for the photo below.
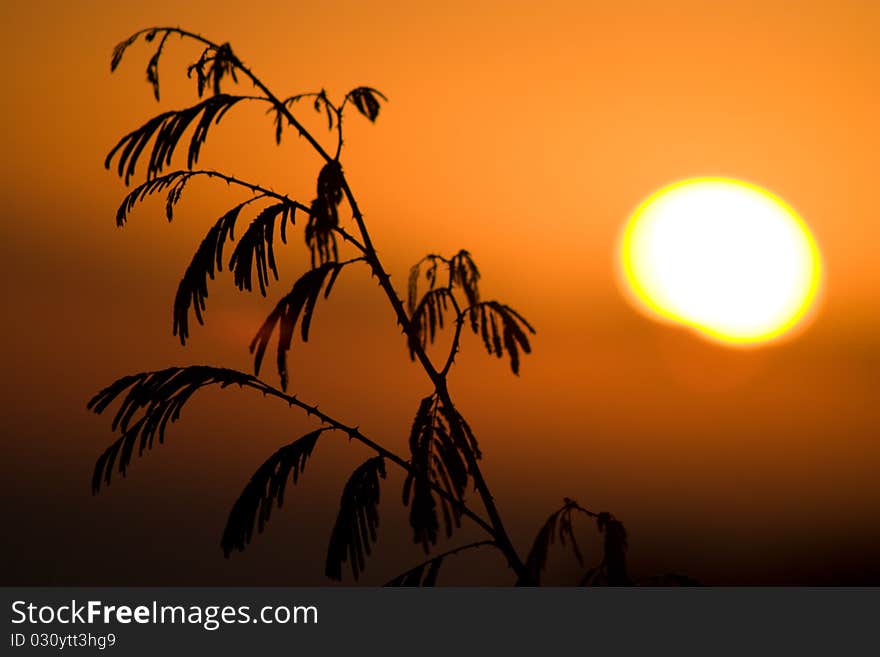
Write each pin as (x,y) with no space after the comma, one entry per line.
(358,519)
(559,524)
(193,287)
(439,442)
(301,300)
(366,100)
(213,65)
(324,215)
(168,129)
(502,330)
(255,248)
(157,398)
(266,490)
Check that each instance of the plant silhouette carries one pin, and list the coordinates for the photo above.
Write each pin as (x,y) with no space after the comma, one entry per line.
(443,292)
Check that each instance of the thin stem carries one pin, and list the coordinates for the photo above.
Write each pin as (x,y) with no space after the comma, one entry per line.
(338,132)
(448,553)
(265,191)
(456,338)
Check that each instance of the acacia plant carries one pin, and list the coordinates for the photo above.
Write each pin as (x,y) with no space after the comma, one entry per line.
(443,464)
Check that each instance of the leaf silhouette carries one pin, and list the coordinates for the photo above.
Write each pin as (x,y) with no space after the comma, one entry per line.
(214,64)
(438,441)
(611,570)
(153,64)
(173,182)
(428,318)
(255,249)
(465,275)
(366,100)
(358,519)
(301,300)
(193,288)
(428,313)
(461,273)
(502,329)
(168,129)
(324,215)
(157,397)
(266,490)
(559,524)
(122,46)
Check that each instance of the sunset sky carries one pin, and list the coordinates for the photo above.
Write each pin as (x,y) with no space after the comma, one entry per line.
(524,132)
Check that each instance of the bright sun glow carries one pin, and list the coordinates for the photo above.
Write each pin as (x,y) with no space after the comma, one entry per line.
(722,256)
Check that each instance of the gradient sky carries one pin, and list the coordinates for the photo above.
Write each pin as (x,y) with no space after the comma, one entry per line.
(525,132)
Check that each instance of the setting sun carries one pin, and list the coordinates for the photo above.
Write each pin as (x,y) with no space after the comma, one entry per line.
(725,257)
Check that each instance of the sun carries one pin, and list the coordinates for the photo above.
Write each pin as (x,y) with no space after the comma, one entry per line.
(724,257)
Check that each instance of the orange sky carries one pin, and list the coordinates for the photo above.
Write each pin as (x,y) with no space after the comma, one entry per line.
(525,132)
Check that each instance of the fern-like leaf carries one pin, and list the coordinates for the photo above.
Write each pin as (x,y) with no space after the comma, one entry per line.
(366,100)
(427,313)
(300,301)
(465,275)
(324,215)
(255,249)
(428,318)
(168,129)
(151,400)
(558,525)
(173,182)
(502,329)
(213,65)
(439,442)
(265,490)
(120,48)
(612,568)
(355,529)
(193,288)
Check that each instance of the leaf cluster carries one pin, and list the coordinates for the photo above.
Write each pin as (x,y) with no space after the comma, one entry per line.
(212,66)
(559,526)
(502,329)
(174,183)
(441,443)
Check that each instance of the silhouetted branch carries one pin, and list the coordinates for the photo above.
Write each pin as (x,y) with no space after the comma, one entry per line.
(159,397)
(417,576)
(219,60)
